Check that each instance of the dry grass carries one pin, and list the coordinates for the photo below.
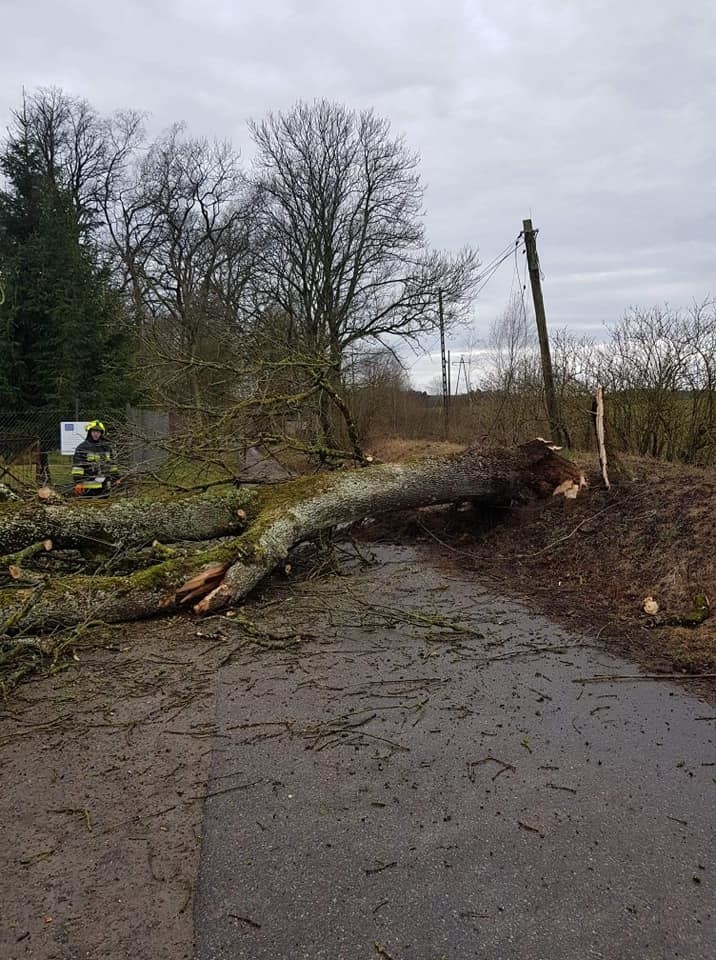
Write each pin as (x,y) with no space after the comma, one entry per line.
(391,449)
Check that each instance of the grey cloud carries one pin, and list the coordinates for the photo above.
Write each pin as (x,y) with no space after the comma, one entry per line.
(594,118)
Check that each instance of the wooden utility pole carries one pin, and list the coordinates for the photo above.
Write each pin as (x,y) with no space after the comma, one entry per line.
(553,413)
(446,391)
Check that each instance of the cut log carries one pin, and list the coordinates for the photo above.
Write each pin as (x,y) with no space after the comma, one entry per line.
(48,495)
(285,515)
(27,553)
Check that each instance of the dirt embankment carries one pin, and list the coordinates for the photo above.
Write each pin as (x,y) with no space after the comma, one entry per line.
(591,562)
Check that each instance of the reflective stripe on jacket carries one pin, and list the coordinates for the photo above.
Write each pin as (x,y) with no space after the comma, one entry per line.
(93,460)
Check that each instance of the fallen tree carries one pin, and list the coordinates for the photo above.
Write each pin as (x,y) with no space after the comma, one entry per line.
(124,523)
(210,576)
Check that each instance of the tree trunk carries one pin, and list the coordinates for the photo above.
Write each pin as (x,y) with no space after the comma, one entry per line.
(286,514)
(125,523)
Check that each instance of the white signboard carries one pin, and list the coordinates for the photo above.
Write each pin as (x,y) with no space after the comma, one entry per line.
(72,433)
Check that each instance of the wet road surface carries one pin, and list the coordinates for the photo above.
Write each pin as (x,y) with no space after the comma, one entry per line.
(413,773)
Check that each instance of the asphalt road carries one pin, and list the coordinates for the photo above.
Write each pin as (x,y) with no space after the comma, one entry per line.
(413,773)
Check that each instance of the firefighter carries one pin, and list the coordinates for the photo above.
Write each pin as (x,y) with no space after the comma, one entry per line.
(93,465)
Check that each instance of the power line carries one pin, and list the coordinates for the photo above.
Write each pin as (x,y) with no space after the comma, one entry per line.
(495,264)
(502,253)
(490,270)
(522,282)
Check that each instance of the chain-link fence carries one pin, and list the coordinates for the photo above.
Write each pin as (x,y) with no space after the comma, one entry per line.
(36,446)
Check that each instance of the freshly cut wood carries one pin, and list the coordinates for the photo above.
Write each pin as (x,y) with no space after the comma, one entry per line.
(284,515)
(568,488)
(201,584)
(650,606)
(48,495)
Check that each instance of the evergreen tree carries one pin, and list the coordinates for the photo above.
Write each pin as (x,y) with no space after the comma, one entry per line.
(63,331)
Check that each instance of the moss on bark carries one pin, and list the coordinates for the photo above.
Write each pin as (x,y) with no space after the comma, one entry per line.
(283,515)
(127,523)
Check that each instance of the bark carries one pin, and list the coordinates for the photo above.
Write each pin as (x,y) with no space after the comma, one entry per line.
(224,573)
(124,523)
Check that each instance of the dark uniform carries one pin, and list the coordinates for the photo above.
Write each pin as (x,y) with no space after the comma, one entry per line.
(93,464)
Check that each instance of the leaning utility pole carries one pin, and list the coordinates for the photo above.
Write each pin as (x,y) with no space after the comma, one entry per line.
(555,419)
(446,391)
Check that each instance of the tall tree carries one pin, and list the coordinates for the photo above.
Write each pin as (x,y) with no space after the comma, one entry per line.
(341,239)
(64,333)
(178,221)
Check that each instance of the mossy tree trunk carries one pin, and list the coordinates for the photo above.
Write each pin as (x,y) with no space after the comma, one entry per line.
(126,523)
(283,515)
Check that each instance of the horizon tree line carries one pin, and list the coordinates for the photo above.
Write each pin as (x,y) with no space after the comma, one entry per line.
(165,269)
(260,301)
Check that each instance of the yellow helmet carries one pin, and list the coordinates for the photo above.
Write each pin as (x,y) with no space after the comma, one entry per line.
(95,425)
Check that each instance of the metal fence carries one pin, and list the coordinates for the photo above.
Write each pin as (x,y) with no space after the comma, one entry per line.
(31,447)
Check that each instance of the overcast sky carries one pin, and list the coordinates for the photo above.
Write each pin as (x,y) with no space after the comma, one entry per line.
(594,117)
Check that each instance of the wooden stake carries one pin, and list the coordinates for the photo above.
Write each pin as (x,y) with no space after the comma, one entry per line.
(600,436)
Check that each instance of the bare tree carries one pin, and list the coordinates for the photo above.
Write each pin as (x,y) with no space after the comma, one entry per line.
(377,367)
(513,347)
(660,372)
(514,380)
(376,386)
(700,442)
(179,224)
(77,149)
(342,246)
